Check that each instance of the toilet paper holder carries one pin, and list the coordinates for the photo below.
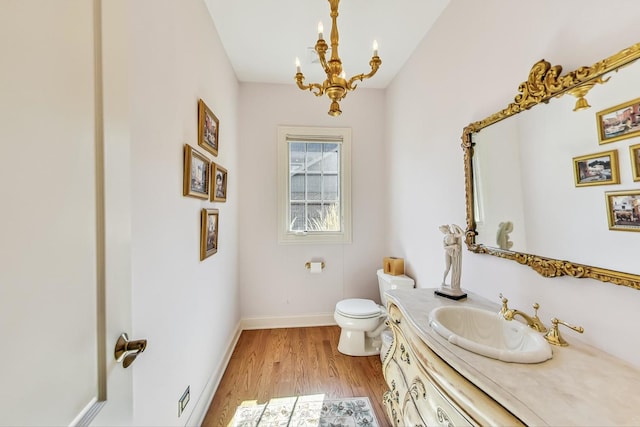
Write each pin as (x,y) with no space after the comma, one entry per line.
(308,265)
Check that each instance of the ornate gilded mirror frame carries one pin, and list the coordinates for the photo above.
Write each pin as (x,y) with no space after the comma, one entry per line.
(544,83)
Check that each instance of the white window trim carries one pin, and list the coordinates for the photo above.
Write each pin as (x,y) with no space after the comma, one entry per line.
(287,237)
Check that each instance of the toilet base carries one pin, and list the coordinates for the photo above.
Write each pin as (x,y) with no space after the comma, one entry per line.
(357,343)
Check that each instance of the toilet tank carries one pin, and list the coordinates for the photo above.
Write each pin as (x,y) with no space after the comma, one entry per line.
(387,282)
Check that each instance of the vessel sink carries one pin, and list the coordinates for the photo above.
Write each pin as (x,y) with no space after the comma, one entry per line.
(489,334)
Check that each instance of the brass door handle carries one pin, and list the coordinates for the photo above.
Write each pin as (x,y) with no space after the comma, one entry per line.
(126,351)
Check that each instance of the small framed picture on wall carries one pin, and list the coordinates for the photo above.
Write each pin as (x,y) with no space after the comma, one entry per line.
(218,183)
(619,122)
(596,169)
(208,128)
(208,232)
(196,173)
(634,152)
(623,210)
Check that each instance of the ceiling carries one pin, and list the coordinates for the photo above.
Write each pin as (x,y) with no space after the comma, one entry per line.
(263,37)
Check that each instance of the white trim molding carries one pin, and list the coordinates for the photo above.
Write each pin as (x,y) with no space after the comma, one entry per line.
(206,397)
(274,322)
(341,136)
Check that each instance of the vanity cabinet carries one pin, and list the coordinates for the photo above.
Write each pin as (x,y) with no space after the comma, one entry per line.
(432,382)
(425,391)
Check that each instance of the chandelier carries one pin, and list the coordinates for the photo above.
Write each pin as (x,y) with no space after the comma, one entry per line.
(336,85)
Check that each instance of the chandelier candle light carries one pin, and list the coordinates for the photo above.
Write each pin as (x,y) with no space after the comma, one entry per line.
(336,85)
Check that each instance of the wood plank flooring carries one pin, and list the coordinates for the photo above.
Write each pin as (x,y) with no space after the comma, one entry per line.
(287,362)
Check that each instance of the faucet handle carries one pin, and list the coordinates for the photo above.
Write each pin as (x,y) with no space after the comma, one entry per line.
(504,308)
(554,337)
(537,324)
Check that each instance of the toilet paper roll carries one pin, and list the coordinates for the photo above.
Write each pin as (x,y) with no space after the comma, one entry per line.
(316,267)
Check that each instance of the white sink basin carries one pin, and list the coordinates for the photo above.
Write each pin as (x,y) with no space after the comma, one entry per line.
(487,333)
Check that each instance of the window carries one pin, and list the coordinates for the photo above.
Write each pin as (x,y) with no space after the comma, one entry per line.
(314,185)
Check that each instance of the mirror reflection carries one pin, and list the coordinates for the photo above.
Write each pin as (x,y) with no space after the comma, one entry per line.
(540,178)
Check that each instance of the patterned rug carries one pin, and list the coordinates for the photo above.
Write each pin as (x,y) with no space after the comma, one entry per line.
(306,411)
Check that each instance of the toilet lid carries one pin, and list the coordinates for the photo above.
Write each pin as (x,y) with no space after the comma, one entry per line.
(357,307)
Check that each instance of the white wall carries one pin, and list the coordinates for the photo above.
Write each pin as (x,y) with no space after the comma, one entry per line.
(467,67)
(273,280)
(187,309)
(498,180)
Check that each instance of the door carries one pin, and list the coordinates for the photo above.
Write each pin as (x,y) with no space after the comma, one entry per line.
(64,220)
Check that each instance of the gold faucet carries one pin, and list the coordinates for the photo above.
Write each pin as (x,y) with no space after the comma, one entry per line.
(533,322)
(554,337)
(504,308)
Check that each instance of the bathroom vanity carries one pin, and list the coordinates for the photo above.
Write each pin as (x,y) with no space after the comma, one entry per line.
(435,383)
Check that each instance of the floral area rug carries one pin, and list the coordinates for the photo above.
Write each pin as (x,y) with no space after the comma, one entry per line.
(306,411)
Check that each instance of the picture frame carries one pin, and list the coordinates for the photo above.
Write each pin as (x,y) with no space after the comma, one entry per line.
(209,219)
(596,169)
(623,210)
(196,173)
(619,122)
(208,128)
(218,183)
(634,155)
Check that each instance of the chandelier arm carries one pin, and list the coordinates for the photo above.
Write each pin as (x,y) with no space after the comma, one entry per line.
(350,83)
(321,48)
(319,90)
(375,65)
(318,87)
(323,62)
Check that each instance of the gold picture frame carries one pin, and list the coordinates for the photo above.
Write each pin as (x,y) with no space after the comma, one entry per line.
(619,122)
(208,128)
(209,219)
(623,210)
(196,173)
(634,154)
(218,183)
(596,169)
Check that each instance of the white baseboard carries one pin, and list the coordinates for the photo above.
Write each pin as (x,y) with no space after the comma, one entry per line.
(320,319)
(202,405)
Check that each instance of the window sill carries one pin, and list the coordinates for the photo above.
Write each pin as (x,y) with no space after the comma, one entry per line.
(314,238)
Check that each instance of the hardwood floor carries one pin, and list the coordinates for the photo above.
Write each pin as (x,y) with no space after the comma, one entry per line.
(286,362)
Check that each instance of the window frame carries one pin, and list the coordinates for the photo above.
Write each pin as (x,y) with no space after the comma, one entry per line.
(341,136)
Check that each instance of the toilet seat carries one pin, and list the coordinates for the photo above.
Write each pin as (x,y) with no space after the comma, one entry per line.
(359,308)
(363,321)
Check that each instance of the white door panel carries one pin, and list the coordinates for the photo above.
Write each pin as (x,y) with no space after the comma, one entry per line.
(114,62)
(61,216)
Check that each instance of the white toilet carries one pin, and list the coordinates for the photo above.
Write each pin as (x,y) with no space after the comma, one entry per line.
(362,320)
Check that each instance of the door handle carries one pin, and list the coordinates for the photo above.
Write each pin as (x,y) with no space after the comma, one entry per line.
(126,351)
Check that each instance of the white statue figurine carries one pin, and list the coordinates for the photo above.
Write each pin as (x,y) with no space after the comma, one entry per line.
(452,243)
(502,237)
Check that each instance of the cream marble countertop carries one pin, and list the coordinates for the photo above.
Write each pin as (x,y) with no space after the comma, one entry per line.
(580,386)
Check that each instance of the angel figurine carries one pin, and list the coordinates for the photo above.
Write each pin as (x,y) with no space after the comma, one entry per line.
(452,243)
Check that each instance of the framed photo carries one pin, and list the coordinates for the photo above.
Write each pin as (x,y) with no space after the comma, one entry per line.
(208,233)
(218,183)
(196,173)
(596,169)
(208,126)
(619,122)
(634,153)
(623,210)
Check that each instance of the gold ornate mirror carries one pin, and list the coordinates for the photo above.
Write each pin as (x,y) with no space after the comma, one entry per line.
(560,182)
